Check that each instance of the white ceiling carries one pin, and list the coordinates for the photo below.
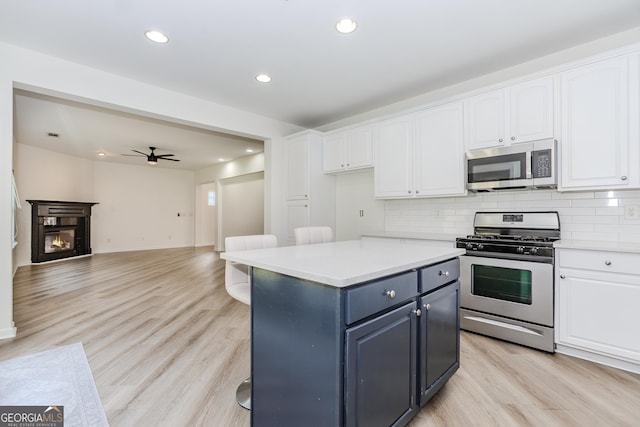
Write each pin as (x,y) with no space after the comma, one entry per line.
(401,49)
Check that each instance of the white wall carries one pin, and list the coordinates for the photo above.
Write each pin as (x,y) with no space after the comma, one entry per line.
(354,193)
(241,166)
(141,207)
(25,69)
(46,175)
(241,207)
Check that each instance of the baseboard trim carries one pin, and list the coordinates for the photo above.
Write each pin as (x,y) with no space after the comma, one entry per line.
(7,333)
(599,358)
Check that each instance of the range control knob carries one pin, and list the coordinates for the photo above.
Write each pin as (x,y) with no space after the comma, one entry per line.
(469,246)
(520,250)
(480,246)
(534,251)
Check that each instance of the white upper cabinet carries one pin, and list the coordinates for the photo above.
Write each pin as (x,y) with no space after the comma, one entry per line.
(439,151)
(421,154)
(599,144)
(393,158)
(348,150)
(485,125)
(297,161)
(518,113)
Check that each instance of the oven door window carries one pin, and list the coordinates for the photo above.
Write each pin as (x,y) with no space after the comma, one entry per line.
(508,284)
(498,168)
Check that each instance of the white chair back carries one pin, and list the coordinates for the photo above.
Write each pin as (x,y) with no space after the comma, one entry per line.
(309,235)
(236,276)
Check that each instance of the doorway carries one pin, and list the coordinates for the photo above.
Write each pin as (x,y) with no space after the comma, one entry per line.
(240,207)
(206,215)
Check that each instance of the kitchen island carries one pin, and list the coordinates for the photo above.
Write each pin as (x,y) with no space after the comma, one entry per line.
(350,333)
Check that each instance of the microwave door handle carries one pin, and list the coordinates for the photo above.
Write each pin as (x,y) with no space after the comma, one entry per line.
(528,164)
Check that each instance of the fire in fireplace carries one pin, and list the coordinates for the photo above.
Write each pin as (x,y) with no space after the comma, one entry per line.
(62,240)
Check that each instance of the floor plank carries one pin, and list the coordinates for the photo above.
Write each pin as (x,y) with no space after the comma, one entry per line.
(168,346)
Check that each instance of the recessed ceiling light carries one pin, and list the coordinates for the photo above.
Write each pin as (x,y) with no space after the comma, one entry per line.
(249,150)
(263,78)
(156,36)
(221,160)
(346,25)
(101,154)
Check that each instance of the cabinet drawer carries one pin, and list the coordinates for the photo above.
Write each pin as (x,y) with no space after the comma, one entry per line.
(434,276)
(372,297)
(612,262)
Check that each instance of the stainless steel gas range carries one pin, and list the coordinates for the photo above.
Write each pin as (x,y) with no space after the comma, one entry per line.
(507,279)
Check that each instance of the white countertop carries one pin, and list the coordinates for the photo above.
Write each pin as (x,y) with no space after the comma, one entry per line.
(345,263)
(595,245)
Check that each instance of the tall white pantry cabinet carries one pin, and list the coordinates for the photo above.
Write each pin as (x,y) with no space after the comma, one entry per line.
(309,193)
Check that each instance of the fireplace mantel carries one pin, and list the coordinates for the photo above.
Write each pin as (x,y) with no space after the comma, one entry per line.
(60,229)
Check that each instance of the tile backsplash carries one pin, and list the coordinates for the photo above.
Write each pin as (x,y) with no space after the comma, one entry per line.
(587,215)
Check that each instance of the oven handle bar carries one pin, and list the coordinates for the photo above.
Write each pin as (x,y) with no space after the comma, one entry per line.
(502,325)
(515,257)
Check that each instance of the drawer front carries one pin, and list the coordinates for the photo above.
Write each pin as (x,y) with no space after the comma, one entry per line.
(367,299)
(434,276)
(611,262)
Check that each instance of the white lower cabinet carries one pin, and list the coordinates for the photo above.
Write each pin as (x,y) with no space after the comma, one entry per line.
(297,214)
(597,306)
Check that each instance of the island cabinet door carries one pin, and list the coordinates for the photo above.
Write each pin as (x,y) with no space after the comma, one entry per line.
(380,371)
(439,337)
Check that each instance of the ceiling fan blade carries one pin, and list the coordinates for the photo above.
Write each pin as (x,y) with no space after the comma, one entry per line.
(140,152)
(134,155)
(164,155)
(164,158)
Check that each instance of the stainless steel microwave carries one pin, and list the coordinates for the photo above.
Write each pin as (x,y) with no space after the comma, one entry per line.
(519,166)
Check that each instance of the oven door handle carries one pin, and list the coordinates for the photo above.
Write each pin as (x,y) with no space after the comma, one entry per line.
(503,325)
(528,165)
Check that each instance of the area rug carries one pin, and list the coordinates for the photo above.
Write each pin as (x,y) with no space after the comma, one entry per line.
(61,377)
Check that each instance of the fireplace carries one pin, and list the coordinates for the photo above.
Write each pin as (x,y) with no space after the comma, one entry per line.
(59,229)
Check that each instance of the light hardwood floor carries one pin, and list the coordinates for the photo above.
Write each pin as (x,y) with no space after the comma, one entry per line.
(168,347)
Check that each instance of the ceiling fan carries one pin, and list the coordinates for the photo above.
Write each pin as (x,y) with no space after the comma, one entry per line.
(152,158)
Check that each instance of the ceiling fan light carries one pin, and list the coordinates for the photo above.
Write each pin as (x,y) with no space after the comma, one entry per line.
(152,162)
